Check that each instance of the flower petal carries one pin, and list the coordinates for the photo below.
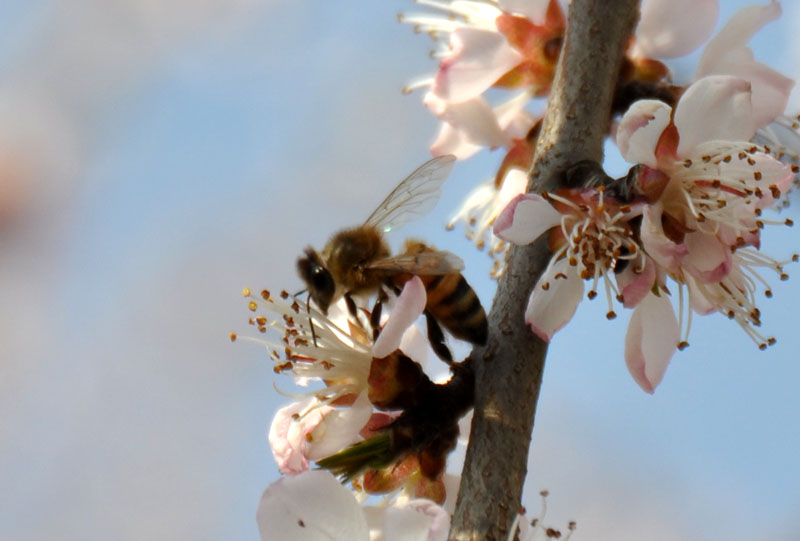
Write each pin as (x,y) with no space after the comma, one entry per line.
(651,340)
(554,300)
(770,89)
(709,259)
(664,251)
(455,142)
(640,129)
(479,59)
(512,117)
(727,53)
(672,28)
(526,218)
(407,309)
(635,283)
(288,431)
(700,303)
(309,507)
(339,428)
(535,10)
(716,107)
(474,118)
(736,33)
(415,345)
(416,520)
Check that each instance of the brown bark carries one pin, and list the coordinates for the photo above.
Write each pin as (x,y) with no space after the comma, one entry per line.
(508,370)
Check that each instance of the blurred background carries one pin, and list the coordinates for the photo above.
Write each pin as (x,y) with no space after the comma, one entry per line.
(156,157)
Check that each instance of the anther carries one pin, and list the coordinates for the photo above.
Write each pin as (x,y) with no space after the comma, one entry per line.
(683,344)
(284,294)
(611,315)
(592,294)
(252,306)
(265,294)
(246,292)
(232,336)
(757,175)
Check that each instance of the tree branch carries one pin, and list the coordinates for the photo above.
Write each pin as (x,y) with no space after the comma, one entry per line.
(509,368)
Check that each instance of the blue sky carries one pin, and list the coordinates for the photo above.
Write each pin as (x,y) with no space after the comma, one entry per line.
(180,153)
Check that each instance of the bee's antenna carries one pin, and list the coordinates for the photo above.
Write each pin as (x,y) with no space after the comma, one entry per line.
(300,292)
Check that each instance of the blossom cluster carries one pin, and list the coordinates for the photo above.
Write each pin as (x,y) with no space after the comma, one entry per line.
(694,216)
(709,158)
(346,425)
(486,47)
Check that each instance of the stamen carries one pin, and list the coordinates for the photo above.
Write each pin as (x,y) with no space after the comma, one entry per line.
(419,83)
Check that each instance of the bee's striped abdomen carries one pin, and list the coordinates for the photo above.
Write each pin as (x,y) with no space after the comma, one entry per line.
(456,306)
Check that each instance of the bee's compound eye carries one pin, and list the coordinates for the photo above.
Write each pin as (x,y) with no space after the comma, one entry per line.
(322,279)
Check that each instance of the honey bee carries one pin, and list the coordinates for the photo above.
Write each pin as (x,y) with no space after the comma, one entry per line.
(358,261)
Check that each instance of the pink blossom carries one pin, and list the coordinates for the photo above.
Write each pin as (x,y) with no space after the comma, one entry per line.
(704,223)
(590,236)
(309,430)
(717,181)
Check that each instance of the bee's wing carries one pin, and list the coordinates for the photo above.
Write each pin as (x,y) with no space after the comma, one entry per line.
(414,196)
(425,263)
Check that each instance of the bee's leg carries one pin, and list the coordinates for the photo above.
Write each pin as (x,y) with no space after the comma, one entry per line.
(375,316)
(310,320)
(436,339)
(352,308)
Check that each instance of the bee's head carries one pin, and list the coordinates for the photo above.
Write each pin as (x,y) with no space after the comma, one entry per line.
(318,279)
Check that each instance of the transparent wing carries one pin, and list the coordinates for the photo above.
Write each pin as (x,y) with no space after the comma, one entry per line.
(414,196)
(424,264)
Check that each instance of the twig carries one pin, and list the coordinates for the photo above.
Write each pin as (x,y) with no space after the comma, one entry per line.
(509,368)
